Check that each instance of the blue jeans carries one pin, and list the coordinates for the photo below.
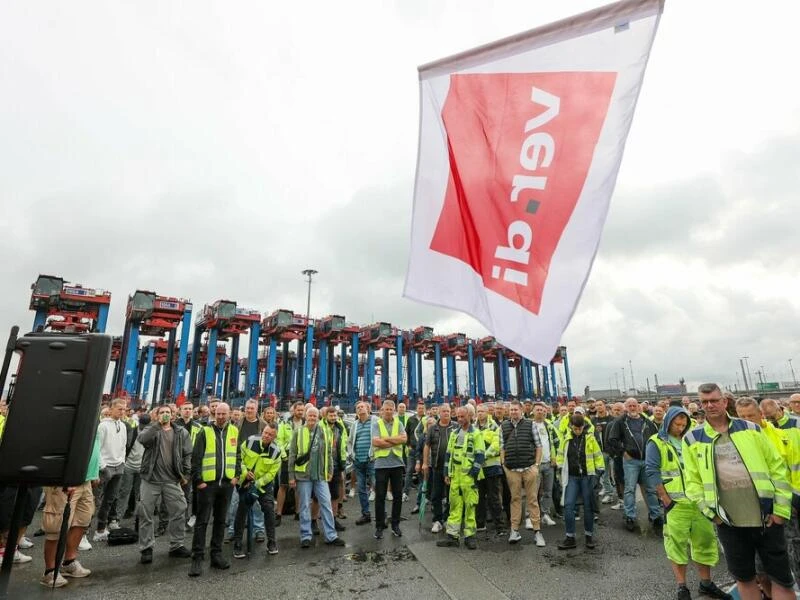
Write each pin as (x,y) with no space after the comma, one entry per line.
(635,475)
(605,479)
(365,474)
(323,494)
(255,513)
(575,486)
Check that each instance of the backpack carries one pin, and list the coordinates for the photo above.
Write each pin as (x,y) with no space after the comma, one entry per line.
(122,536)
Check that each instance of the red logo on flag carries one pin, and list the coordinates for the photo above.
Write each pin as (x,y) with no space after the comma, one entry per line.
(520,146)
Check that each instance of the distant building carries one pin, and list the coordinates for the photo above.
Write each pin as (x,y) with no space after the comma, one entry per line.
(671,389)
(602,394)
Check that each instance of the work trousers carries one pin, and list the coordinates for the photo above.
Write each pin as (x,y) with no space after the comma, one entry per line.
(106,494)
(439,494)
(258,518)
(383,478)
(130,485)
(545,489)
(463,501)
(152,495)
(490,491)
(212,499)
(266,502)
(578,487)
(529,480)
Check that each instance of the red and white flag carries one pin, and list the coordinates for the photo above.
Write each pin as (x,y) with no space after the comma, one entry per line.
(519,147)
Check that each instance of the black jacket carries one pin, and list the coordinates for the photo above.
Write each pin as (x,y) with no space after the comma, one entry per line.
(620,439)
(150,438)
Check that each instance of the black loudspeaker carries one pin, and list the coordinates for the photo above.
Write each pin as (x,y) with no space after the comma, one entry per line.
(53,416)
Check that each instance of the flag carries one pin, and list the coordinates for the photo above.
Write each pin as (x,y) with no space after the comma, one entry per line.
(520,143)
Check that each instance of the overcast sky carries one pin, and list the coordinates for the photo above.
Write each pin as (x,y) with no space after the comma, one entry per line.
(214,150)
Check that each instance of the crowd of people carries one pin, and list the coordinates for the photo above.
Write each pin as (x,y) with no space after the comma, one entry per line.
(717,472)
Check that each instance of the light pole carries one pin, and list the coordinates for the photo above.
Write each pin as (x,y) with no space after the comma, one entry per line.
(749,375)
(309,273)
(794,377)
(633,382)
(624,381)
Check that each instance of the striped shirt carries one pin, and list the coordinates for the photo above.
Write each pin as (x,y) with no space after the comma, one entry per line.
(363,441)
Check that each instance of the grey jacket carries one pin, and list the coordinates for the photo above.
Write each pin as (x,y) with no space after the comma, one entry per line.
(150,438)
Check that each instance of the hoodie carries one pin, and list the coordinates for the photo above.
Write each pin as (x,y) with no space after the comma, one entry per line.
(652,463)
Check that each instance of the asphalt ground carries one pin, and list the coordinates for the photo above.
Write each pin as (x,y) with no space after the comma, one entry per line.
(625,565)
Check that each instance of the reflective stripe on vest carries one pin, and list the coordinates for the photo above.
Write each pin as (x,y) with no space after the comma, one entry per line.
(671,475)
(208,468)
(397,449)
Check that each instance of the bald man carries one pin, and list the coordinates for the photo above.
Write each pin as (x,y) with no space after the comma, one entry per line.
(774,412)
(794,405)
(216,461)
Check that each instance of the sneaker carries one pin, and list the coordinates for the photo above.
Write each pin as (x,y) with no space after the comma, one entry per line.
(415,510)
(304,544)
(100,536)
(146,556)
(337,526)
(363,520)
(314,527)
(405,497)
(378,533)
(372,496)
(50,580)
(547,519)
(618,506)
(197,567)
(352,493)
(607,499)
(514,537)
(261,537)
(272,547)
(713,591)
(84,545)
(217,562)
(20,558)
(481,529)
(539,539)
(389,496)
(336,542)
(529,524)
(449,542)
(238,552)
(25,543)
(437,527)
(568,543)
(113,525)
(684,593)
(630,524)
(192,520)
(589,541)
(470,542)
(396,531)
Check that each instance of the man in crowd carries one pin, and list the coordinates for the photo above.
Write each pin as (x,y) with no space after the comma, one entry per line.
(521,457)
(738,480)
(490,487)
(337,434)
(216,462)
(261,464)
(411,458)
(249,425)
(686,528)
(166,467)
(627,437)
(434,465)
(360,448)
(775,413)
(602,420)
(113,435)
(464,460)
(310,470)
(388,440)
(81,500)
(547,465)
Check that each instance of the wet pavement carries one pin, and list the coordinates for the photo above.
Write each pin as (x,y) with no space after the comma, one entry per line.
(625,565)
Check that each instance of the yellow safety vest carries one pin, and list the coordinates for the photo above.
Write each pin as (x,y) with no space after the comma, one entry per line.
(303,443)
(397,449)
(209,465)
(671,472)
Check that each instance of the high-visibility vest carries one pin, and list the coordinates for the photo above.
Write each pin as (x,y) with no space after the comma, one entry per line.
(343,439)
(671,470)
(594,456)
(303,446)
(397,449)
(2,425)
(263,462)
(788,421)
(208,469)
(491,442)
(767,470)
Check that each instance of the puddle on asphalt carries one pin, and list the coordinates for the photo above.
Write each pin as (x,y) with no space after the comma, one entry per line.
(395,555)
